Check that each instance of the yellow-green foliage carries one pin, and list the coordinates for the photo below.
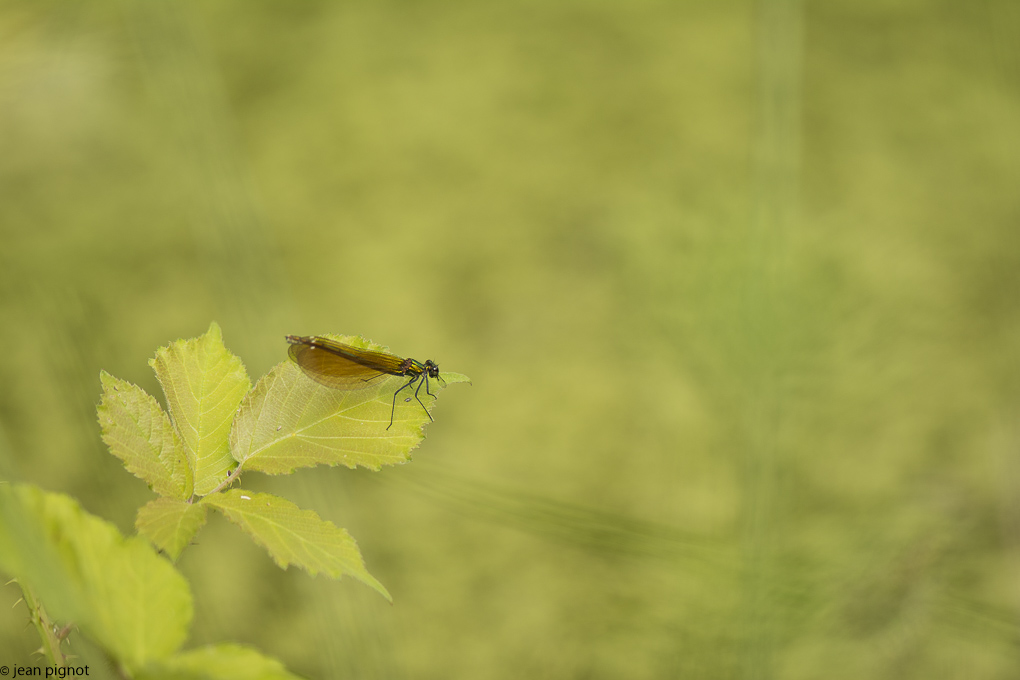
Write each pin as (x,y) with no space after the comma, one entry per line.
(735,283)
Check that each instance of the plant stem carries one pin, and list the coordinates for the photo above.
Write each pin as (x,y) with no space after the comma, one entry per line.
(47,631)
(228,481)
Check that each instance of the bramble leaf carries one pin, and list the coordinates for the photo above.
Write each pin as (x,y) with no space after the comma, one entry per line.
(289,421)
(203,383)
(217,662)
(294,536)
(170,523)
(117,590)
(139,432)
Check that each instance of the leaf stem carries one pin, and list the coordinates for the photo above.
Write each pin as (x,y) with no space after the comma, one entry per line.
(49,633)
(228,481)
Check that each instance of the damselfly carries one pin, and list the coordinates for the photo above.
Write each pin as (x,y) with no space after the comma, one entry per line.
(345,367)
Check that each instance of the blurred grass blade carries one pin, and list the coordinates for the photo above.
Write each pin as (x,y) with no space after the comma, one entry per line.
(139,432)
(170,523)
(294,536)
(289,421)
(223,662)
(598,530)
(122,595)
(203,382)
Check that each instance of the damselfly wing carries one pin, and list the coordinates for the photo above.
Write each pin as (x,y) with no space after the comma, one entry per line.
(345,367)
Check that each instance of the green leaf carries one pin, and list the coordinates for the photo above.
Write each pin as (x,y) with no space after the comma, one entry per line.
(27,552)
(170,523)
(217,662)
(450,378)
(203,383)
(117,590)
(294,536)
(140,433)
(289,421)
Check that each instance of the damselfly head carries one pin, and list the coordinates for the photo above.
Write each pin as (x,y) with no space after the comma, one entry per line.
(431,368)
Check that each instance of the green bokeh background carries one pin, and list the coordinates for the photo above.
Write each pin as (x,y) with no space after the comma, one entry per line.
(738,285)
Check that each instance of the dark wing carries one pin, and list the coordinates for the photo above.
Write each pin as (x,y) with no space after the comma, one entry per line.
(340,366)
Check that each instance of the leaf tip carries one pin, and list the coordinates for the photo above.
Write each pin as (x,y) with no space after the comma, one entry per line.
(110,383)
(381,589)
